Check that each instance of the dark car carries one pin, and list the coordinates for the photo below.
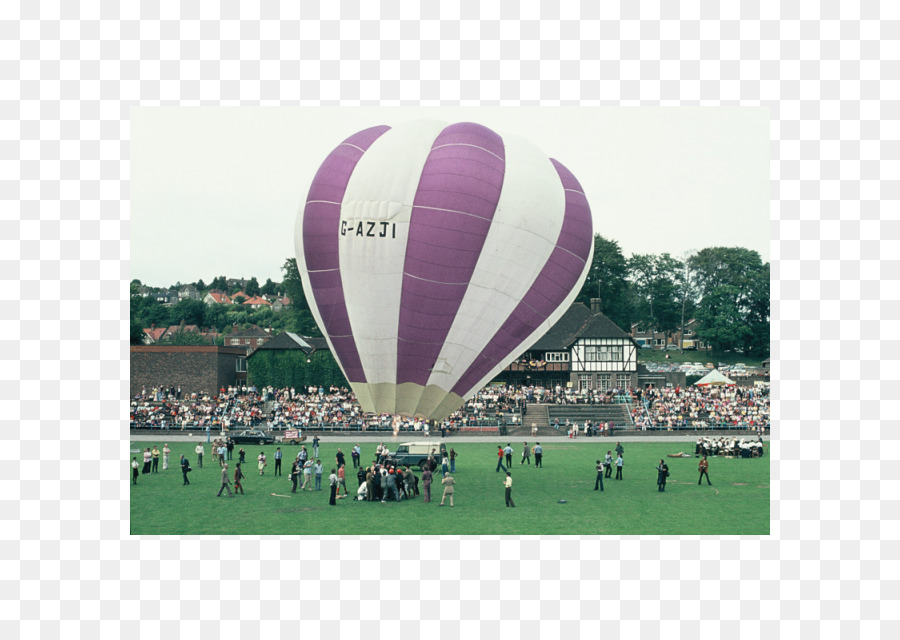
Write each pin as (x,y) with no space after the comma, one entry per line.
(253,436)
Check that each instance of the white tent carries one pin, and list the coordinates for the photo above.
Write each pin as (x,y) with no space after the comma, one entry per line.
(713,378)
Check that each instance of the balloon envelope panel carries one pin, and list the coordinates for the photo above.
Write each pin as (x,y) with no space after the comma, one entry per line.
(432,255)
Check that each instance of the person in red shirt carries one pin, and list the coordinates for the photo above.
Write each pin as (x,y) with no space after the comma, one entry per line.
(500,459)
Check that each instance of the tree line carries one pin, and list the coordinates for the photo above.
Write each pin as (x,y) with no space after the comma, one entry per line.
(725,289)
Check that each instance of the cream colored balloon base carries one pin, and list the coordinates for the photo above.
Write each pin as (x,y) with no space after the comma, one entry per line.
(407,399)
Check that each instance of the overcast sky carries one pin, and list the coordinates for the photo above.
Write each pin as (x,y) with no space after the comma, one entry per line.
(216,191)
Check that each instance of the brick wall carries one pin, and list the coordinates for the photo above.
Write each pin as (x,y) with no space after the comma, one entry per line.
(201,369)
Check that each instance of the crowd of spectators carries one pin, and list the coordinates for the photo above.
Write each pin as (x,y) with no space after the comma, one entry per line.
(336,408)
(728,446)
(703,407)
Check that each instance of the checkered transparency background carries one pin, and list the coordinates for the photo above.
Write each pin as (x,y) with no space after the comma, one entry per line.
(71,72)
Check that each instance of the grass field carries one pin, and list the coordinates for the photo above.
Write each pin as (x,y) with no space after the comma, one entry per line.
(736,503)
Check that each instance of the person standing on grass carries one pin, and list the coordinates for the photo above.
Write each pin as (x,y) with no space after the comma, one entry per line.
(315,446)
(598,484)
(661,475)
(508,451)
(339,458)
(355,454)
(226,483)
(508,484)
(155,467)
(370,484)
(317,469)
(426,484)
(538,455)
(278,456)
(261,462)
(229,447)
(342,480)
(307,476)
(134,470)
(526,454)
(166,452)
(500,459)
(704,471)
(333,483)
(620,450)
(448,483)
(619,464)
(241,455)
(445,464)
(238,476)
(294,476)
(199,451)
(147,457)
(452,455)
(608,464)
(185,467)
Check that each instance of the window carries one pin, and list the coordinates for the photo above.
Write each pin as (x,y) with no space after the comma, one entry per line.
(605,381)
(240,365)
(622,380)
(590,354)
(610,354)
(234,341)
(584,382)
(556,357)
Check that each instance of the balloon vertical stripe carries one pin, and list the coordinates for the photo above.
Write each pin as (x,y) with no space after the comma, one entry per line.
(320,236)
(452,212)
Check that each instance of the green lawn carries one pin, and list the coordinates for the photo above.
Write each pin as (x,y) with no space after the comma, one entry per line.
(737,503)
(676,357)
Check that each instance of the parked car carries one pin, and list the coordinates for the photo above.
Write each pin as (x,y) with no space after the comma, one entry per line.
(253,436)
(415,454)
(672,347)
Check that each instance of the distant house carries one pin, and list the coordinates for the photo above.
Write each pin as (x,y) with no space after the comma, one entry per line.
(240,283)
(169,333)
(188,292)
(239,294)
(251,338)
(257,302)
(281,303)
(217,297)
(167,296)
(289,341)
(153,334)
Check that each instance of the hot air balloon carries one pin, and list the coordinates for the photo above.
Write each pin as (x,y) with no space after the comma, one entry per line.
(433,255)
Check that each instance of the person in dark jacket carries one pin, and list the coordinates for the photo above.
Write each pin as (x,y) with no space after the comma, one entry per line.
(185,467)
(661,475)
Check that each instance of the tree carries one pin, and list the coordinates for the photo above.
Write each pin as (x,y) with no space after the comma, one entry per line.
(190,312)
(220,283)
(607,280)
(239,299)
(200,285)
(252,288)
(189,338)
(293,284)
(268,289)
(733,307)
(137,333)
(655,280)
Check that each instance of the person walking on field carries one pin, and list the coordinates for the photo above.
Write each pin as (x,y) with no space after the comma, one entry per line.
(185,467)
(608,464)
(526,454)
(538,455)
(508,451)
(226,483)
(619,464)
(704,471)
(508,484)
(500,459)
(448,483)
(599,481)
(134,470)
(238,476)
(166,452)
(294,475)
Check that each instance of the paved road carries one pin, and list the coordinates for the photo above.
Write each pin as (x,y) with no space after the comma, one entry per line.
(176,436)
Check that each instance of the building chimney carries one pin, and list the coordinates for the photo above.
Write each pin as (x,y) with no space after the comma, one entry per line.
(595,305)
